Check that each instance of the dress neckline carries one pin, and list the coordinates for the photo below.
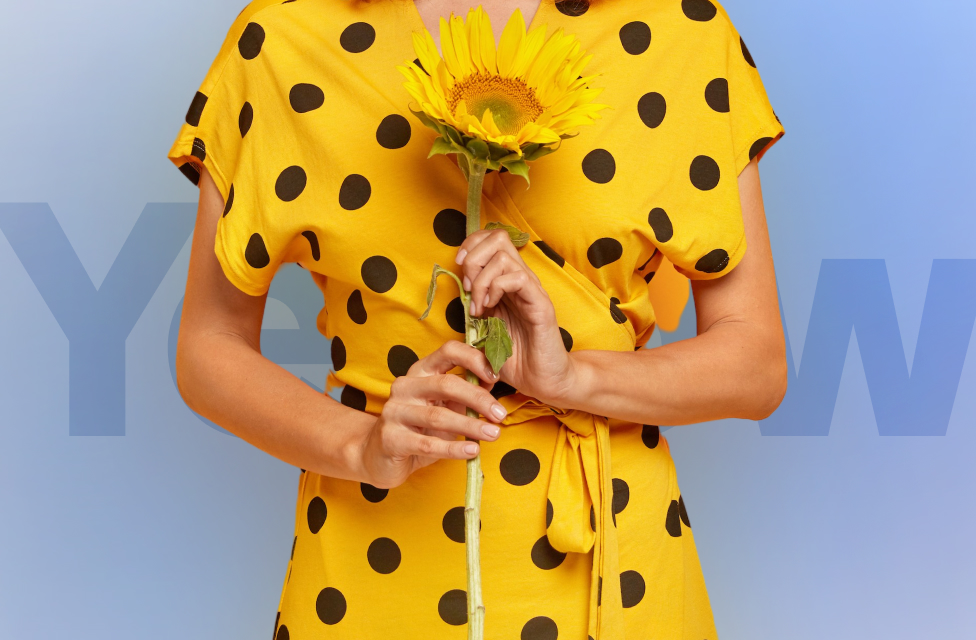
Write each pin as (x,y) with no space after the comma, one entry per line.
(420,26)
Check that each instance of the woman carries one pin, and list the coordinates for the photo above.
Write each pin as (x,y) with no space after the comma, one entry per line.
(304,150)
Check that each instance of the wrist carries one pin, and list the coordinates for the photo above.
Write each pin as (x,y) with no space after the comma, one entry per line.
(352,448)
(576,385)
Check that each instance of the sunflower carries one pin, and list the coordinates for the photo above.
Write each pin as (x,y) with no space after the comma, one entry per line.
(500,106)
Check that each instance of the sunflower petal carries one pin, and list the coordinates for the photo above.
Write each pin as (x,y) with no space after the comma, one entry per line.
(511,42)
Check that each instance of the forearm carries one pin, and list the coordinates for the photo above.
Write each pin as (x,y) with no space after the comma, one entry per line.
(728,371)
(225,379)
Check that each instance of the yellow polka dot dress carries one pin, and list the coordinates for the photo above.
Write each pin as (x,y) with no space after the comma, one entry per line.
(303,122)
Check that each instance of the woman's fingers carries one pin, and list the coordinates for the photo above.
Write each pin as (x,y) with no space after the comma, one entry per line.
(453,353)
(502,275)
(442,419)
(449,388)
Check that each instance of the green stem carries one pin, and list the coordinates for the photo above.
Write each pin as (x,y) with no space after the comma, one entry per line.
(472,494)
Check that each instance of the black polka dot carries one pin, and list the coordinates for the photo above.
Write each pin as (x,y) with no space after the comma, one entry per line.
(190,172)
(393,132)
(682,512)
(338,349)
(330,605)
(454,314)
(713,261)
(245,119)
(647,279)
(357,37)
(599,166)
(572,8)
(631,588)
(618,316)
(592,518)
(549,513)
(651,108)
(294,540)
(717,95)
(501,389)
(519,466)
(550,252)
(540,628)
(353,397)
(746,54)
(545,556)
(379,273)
(650,435)
(660,224)
(230,201)
(604,251)
(699,10)
(758,146)
(416,61)
(316,514)
(399,359)
(251,41)
(621,495)
(450,227)
(635,37)
(290,183)
(599,591)
(567,339)
(673,521)
(198,149)
(453,607)
(355,307)
(306,97)
(196,109)
(383,555)
(371,493)
(354,192)
(453,524)
(313,244)
(282,633)
(256,253)
(704,173)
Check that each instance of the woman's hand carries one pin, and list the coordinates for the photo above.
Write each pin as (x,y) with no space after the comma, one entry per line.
(425,413)
(503,286)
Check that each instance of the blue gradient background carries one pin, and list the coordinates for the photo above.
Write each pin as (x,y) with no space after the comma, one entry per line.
(177,530)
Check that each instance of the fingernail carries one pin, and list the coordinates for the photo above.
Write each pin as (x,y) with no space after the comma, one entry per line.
(460,256)
(491,373)
(485,303)
(498,411)
(467,283)
(491,430)
(471,448)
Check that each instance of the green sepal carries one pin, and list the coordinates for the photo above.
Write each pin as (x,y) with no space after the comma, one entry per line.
(442,146)
(519,168)
(477,147)
(519,238)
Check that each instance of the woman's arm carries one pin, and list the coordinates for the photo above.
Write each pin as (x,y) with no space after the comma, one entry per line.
(222,375)
(734,368)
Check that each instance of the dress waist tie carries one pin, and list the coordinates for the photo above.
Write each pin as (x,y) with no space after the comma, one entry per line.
(581,493)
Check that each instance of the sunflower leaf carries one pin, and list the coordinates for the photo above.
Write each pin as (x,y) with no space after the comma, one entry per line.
(540,152)
(498,343)
(432,287)
(519,238)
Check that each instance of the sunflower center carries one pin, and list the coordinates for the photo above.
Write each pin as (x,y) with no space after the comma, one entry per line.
(513,104)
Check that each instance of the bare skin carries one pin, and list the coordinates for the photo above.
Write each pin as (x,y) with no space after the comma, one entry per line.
(734,367)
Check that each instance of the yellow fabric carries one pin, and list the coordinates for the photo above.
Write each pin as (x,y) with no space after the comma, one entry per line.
(302,121)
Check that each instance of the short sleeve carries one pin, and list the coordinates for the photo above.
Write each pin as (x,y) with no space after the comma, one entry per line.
(755,126)
(722,120)
(220,133)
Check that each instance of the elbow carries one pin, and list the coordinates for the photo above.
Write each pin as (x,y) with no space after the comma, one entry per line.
(184,370)
(771,388)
